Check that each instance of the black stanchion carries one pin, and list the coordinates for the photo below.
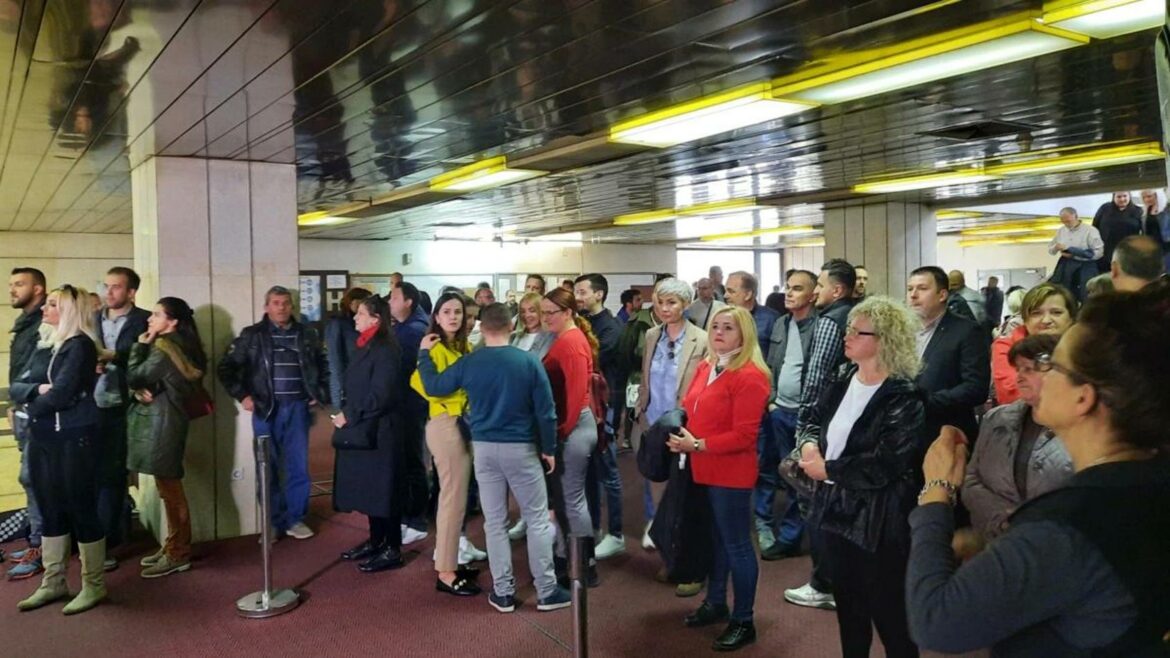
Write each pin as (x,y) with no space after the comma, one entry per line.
(579,551)
(265,603)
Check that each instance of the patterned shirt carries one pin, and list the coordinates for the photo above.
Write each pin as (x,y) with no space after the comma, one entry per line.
(287,381)
(828,351)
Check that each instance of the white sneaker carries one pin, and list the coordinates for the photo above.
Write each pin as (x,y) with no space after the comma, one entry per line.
(647,543)
(299,531)
(810,597)
(410,535)
(518,531)
(610,546)
(470,552)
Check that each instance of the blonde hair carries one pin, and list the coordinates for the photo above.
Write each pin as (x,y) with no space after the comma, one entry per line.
(897,330)
(73,313)
(749,351)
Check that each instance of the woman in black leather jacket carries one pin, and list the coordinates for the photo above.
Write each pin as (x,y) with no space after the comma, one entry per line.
(863,443)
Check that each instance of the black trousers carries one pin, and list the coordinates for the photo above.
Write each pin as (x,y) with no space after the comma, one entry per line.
(386,531)
(870,590)
(63,466)
(113,499)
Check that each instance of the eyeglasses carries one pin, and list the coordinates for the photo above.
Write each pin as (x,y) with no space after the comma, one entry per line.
(1044,363)
(852,331)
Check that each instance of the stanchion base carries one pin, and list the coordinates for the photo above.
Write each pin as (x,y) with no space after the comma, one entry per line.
(279,602)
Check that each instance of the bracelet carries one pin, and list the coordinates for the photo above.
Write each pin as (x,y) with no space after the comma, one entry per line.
(952,491)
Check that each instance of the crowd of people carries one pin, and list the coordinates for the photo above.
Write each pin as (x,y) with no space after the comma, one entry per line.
(833,418)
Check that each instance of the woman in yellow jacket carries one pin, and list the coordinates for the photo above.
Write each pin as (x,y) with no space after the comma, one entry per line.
(450,450)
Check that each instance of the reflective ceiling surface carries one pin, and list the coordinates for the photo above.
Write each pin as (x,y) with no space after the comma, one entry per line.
(367,97)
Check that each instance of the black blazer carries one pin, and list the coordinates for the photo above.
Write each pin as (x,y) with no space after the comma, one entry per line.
(956,374)
(135,326)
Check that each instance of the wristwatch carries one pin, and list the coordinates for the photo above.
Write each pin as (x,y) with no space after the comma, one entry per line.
(696,445)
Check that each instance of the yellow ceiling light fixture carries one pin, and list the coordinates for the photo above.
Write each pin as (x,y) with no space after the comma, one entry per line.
(957,214)
(925,181)
(489,172)
(1030,238)
(729,206)
(811,242)
(934,57)
(761,232)
(1015,228)
(706,116)
(1105,19)
(322,218)
(1088,159)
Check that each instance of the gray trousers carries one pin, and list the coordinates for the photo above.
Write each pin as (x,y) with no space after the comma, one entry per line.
(567,484)
(36,522)
(515,466)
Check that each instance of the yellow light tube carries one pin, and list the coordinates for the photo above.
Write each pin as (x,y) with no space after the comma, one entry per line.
(1091,159)
(1031,238)
(1105,19)
(957,214)
(1045,224)
(481,175)
(924,181)
(728,206)
(780,230)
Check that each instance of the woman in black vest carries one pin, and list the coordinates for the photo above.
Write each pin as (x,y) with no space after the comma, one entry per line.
(1082,570)
(368,471)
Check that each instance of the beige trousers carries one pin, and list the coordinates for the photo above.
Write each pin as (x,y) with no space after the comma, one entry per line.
(452,457)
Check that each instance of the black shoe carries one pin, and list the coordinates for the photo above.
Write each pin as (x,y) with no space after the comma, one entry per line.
(593,579)
(459,587)
(470,573)
(779,551)
(737,635)
(706,615)
(361,551)
(386,559)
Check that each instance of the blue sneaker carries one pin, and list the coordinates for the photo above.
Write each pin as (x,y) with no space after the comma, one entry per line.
(28,566)
(560,598)
(502,603)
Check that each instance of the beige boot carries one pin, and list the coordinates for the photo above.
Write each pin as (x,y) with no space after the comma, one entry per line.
(54,553)
(93,577)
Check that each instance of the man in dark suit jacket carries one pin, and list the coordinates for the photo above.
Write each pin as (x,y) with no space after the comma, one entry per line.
(956,356)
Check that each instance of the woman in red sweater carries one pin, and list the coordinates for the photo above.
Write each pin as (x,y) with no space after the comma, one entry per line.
(724,406)
(569,363)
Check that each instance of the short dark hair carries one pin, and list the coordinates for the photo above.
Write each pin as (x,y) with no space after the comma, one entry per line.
(132,278)
(662,276)
(495,317)
(38,276)
(859,266)
(1032,347)
(841,272)
(1140,256)
(483,285)
(748,282)
(410,294)
(277,291)
(811,277)
(538,277)
(597,282)
(941,281)
(628,295)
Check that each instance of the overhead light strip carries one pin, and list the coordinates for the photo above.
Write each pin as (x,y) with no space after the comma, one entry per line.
(779,230)
(481,175)
(1090,159)
(1031,238)
(924,181)
(1039,224)
(1105,19)
(729,206)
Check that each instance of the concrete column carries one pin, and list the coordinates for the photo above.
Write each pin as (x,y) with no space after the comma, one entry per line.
(890,238)
(217,233)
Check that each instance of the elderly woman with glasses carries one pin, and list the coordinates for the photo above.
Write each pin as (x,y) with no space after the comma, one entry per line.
(862,443)
(1081,570)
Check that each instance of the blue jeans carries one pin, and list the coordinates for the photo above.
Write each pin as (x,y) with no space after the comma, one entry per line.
(777,438)
(288,469)
(734,553)
(604,475)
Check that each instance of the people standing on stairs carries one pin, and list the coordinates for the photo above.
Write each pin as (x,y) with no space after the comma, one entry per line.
(513,431)
(119,323)
(1079,246)
(569,364)
(449,448)
(410,325)
(165,370)
(1117,220)
(790,346)
(369,469)
(341,341)
(674,349)
(724,405)
(277,370)
(591,291)
(64,455)
(706,303)
(26,293)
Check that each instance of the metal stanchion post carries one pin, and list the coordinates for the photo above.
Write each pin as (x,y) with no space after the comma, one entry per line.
(265,603)
(579,551)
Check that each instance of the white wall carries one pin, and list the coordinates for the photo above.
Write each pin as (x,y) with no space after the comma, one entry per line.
(970,260)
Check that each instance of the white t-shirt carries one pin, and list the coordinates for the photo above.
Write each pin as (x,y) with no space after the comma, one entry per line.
(857,396)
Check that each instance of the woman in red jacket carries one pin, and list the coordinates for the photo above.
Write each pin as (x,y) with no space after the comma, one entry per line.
(569,363)
(1047,309)
(724,406)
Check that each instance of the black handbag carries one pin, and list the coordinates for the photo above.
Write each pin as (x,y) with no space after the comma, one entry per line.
(794,475)
(357,436)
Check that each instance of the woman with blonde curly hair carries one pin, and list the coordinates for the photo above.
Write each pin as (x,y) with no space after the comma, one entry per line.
(863,442)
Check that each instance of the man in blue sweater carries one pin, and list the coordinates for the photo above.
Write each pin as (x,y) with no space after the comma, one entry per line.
(513,425)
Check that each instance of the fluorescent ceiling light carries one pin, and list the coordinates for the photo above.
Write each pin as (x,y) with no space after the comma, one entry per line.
(926,181)
(714,208)
(1031,238)
(322,218)
(1104,19)
(936,57)
(705,116)
(1015,228)
(811,242)
(1092,159)
(490,172)
(957,214)
(780,230)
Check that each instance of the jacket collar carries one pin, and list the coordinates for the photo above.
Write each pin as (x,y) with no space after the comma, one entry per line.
(30,318)
(1146,472)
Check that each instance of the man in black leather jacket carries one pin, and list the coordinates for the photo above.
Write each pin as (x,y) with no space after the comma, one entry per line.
(276,368)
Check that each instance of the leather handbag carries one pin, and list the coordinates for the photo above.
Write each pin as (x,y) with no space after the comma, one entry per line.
(357,436)
(199,403)
(795,476)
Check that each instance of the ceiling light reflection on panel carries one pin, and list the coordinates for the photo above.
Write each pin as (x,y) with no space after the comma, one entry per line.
(945,55)
(1105,19)
(1047,224)
(925,181)
(1092,159)
(957,214)
(705,116)
(487,173)
(322,218)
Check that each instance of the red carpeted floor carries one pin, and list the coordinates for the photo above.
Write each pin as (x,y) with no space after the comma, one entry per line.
(346,613)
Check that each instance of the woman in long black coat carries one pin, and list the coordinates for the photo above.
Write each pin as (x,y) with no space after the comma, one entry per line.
(370,479)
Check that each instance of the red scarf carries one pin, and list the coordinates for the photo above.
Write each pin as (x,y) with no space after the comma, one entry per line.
(365,336)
